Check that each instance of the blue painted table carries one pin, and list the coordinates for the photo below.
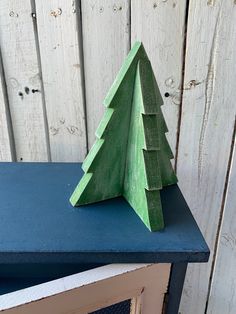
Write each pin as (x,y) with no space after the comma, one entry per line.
(43,237)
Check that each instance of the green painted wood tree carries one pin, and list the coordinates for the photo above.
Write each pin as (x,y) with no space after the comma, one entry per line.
(131,156)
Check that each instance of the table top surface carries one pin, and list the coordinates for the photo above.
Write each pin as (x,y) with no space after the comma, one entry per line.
(39,225)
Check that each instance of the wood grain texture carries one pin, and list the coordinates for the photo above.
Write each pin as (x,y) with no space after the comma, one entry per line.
(90,290)
(105,164)
(147,169)
(160,26)
(222,297)
(106,44)
(61,69)
(130,157)
(6,145)
(58,286)
(18,46)
(208,115)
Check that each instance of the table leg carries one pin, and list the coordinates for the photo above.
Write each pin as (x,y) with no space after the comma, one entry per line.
(177,276)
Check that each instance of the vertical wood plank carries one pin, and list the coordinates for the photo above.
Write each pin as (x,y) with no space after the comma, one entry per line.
(222,295)
(19,55)
(61,68)
(106,42)
(5,133)
(207,123)
(160,25)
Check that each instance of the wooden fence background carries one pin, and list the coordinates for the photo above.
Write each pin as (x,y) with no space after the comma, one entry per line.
(58,59)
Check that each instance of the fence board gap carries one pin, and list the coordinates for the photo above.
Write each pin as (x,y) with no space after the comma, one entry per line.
(160,25)
(41,82)
(205,137)
(81,54)
(17,40)
(61,70)
(105,43)
(182,84)
(216,245)
(224,300)
(7,147)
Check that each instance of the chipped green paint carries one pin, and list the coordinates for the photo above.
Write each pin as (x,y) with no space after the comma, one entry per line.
(131,156)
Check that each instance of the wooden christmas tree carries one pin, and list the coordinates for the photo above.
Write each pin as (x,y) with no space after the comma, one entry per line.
(131,156)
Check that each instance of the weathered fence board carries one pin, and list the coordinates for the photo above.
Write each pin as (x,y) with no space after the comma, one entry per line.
(79,52)
(222,295)
(5,134)
(106,42)
(208,114)
(61,69)
(18,46)
(160,25)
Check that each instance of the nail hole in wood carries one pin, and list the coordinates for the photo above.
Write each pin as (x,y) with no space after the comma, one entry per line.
(27,90)
(167,94)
